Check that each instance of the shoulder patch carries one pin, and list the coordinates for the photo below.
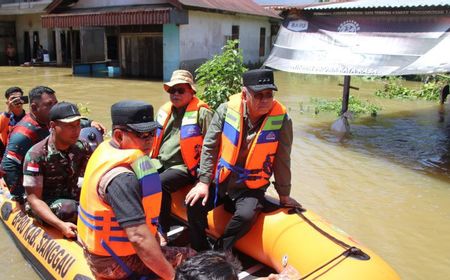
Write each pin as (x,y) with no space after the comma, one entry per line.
(32,167)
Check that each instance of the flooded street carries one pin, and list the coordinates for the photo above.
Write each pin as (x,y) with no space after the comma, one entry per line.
(387,185)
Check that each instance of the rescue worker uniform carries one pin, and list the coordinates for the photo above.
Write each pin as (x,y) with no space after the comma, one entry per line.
(178,147)
(121,189)
(235,177)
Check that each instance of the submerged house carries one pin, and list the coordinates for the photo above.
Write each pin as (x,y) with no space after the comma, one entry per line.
(151,38)
(20,26)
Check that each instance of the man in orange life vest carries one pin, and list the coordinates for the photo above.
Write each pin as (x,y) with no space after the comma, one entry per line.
(178,144)
(10,118)
(249,139)
(120,201)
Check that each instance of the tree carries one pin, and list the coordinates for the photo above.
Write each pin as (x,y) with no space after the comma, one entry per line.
(221,76)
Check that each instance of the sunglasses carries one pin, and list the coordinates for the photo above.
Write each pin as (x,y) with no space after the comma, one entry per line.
(140,135)
(178,90)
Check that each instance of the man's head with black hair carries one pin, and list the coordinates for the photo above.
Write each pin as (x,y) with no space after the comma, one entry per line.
(12,90)
(37,92)
(209,265)
(13,100)
(42,99)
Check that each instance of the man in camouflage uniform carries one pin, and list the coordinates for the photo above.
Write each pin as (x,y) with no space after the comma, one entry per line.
(53,167)
(29,131)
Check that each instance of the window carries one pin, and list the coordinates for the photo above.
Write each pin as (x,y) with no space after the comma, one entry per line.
(262,41)
(113,52)
(235,32)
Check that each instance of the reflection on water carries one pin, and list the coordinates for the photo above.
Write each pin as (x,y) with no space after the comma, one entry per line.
(387,184)
(416,139)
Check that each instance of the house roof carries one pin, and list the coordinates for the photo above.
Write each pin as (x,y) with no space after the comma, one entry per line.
(108,16)
(295,4)
(382,4)
(286,3)
(235,6)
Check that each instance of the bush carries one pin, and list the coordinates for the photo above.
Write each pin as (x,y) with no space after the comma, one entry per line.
(221,76)
(356,106)
(393,88)
(84,109)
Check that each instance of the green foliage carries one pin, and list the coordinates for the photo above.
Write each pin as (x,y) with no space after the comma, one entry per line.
(429,91)
(393,88)
(221,76)
(356,106)
(84,109)
(443,78)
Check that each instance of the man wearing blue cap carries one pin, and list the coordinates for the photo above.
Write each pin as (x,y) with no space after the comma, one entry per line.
(53,167)
(249,139)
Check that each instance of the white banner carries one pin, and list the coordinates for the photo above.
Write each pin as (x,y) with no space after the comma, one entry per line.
(369,45)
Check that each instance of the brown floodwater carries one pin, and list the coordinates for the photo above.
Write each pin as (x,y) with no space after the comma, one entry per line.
(387,184)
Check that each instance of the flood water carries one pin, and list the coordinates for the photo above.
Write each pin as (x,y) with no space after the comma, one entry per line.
(387,185)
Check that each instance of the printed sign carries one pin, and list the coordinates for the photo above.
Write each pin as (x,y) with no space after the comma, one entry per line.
(363,45)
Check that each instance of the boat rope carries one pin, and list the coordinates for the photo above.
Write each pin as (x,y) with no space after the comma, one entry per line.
(350,251)
(346,254)
(354,252)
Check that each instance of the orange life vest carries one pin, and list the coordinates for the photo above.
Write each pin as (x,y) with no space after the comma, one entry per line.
(191,136)
(259,162)
(5,127)
(97,226)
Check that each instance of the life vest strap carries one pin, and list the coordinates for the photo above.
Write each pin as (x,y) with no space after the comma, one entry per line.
(243,175)
(119,261)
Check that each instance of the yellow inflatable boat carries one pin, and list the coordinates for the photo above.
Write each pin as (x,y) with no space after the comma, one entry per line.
(294,237)
(48,252)
(302,239)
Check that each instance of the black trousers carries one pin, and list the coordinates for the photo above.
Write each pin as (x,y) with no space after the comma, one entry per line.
(171,181)
(198,222)
(246,209)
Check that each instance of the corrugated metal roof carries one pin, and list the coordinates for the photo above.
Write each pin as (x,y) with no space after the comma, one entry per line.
(235,6)
(107,17)
(292,3)
(383,4)
(297,4)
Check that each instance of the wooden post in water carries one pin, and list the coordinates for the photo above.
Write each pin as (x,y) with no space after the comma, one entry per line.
(345,94)
(341,125)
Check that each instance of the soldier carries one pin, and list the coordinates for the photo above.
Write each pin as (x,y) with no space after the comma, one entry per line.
(30,130)
(52,169)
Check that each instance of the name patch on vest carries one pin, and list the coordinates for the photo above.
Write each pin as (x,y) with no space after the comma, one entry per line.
(268,136)
(188,131)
